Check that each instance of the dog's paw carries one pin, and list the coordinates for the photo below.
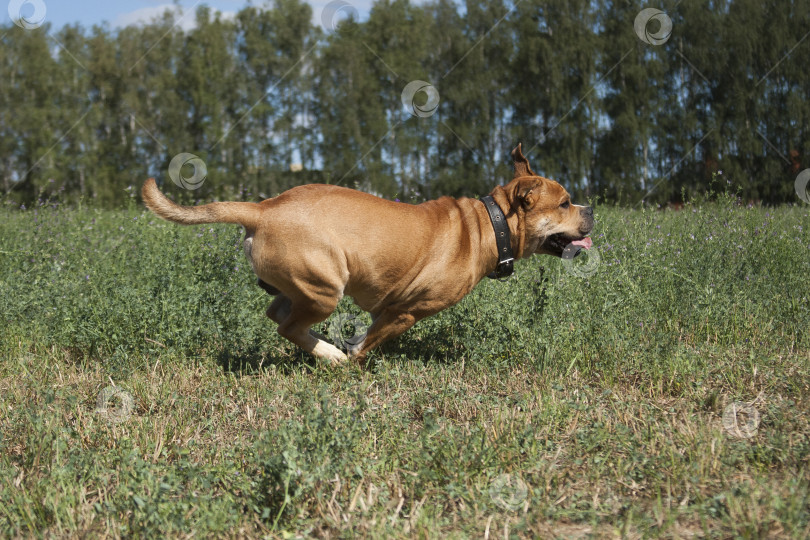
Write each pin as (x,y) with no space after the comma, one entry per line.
(329,352)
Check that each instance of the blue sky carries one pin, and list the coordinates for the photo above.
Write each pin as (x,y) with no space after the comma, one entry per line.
(119,13)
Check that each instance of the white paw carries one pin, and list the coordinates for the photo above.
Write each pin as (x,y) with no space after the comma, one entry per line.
(328,352)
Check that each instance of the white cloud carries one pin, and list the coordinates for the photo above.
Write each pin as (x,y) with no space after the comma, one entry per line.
(337,10)
(148,14)
(185,19)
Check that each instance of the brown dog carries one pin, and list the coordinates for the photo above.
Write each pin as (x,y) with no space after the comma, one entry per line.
(315,243)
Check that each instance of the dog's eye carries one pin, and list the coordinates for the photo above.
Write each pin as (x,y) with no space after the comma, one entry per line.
(566,204)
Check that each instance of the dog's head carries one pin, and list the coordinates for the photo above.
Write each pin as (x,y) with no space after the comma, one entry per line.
(551,220)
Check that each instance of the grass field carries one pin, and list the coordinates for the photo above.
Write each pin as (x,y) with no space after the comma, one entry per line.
(144,393)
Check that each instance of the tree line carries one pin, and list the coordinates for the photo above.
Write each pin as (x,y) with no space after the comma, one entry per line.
(416,101)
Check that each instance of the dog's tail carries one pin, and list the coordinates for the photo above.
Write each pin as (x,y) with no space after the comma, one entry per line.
(246,214)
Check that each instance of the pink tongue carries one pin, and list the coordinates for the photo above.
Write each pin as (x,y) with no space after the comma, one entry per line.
(585,243)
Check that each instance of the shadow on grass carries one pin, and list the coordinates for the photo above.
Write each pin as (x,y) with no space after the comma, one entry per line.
(255,357)
(435,343)
(426,343)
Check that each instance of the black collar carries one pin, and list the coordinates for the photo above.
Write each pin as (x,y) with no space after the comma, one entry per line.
(502,239)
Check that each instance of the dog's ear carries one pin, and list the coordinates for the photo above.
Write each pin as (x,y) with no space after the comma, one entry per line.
(522,167)
(527,192)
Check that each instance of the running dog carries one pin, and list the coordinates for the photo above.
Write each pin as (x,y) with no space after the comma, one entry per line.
(315,243)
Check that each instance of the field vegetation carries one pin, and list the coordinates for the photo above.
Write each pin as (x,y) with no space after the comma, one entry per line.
(658,388)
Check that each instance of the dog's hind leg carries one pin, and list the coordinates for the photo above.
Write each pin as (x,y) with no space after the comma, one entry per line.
(294,320)
(269,289)
(279,310)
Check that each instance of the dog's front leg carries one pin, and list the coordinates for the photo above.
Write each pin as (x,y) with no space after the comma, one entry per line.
(390,323)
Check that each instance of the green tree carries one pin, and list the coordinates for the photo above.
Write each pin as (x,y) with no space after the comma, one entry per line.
(32,127)
(349,109)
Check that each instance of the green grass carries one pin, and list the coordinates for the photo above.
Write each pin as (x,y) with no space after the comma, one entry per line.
(549,405)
